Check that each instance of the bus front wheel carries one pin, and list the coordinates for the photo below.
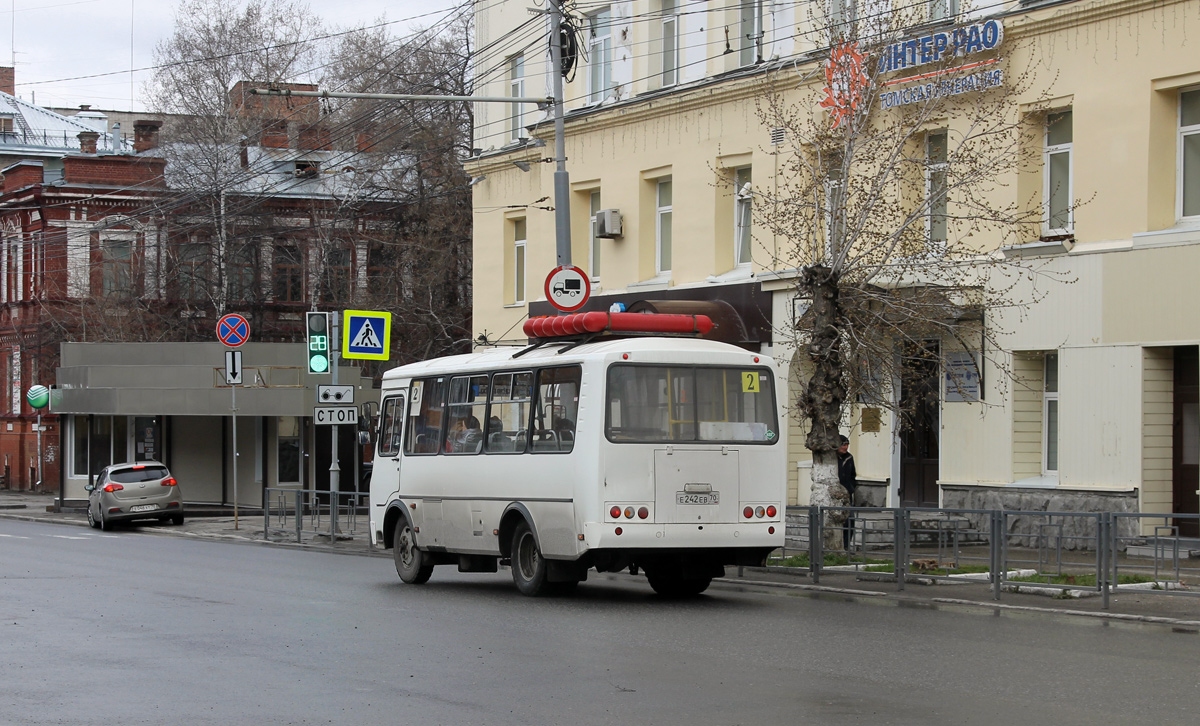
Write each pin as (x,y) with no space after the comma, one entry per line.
(410,560)
(528,565)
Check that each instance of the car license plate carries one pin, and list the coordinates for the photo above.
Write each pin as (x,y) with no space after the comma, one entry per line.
(143,508)
(689,498)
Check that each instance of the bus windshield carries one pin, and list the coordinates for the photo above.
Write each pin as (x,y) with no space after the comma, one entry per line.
(690,403)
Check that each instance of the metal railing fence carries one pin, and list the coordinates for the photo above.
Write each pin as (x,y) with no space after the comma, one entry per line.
(1069,553)
(289,509)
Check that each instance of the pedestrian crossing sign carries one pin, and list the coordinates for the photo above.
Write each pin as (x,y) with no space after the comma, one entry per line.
(366,334)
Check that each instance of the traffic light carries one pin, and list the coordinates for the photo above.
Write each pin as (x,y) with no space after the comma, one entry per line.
(318,342)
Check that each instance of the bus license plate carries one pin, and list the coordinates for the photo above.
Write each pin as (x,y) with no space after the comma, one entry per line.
(689,498)
(143,508)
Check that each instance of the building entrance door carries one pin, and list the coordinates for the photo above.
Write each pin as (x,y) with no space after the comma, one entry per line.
(919,426)
(1185,434)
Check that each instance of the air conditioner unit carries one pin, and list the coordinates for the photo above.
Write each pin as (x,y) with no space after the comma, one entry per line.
(607,224)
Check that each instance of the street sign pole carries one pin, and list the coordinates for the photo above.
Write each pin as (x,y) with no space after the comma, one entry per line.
(335,471)
(233,407)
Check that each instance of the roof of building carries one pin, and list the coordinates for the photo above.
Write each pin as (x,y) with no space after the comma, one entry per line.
(37,131)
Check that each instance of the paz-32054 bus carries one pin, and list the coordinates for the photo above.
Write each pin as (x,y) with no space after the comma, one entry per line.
(654,454)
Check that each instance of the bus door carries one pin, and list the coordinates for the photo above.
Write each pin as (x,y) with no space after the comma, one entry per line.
(385,476)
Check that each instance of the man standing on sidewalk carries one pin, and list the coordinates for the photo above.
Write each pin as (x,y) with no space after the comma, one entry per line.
(848,477)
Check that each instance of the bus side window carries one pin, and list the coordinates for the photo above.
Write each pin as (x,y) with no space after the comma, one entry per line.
(508,413)
(468,404)
(425,424)
(392,417)
(557,409)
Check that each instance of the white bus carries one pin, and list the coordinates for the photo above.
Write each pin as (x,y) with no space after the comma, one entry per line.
(652,454)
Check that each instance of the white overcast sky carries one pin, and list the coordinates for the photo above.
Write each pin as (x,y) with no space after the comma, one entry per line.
(56,40)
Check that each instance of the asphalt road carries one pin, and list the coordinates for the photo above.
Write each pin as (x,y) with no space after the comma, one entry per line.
(135,628)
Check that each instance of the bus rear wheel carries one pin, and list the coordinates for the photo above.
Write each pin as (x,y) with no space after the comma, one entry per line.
(528,565)
(410,560)
(673,586)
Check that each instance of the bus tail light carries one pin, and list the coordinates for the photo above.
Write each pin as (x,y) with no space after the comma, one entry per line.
(759,512)
(619,530)
(615,512)
(628,512)
(772,511)
(748,512)
(770,530)
(643,513)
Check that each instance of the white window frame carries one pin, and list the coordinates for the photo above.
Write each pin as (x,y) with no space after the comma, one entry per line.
(751,32)
(593,240)
(599,55)
(516,89)
(1184,133)
(670,42)
(1049,150)
(663,212)
(520,260)
(743,224)
(1049,396)
(936,248)
(943,9)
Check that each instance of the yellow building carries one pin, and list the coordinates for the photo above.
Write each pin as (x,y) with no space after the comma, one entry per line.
(666,153)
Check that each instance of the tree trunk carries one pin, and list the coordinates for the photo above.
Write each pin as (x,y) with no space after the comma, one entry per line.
(824,397)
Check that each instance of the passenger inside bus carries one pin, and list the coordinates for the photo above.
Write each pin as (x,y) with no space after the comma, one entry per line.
(465,436)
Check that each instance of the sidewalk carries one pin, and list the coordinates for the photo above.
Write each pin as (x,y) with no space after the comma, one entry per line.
(1136,606)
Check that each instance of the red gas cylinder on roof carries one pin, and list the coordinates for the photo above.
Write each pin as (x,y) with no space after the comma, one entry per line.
(560,326)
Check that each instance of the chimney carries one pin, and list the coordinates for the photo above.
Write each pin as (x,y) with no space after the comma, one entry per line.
(8,80)
(87,141)
(145,135)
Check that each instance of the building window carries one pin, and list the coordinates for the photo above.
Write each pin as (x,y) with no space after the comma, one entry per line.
(516,89)
(382,264)
(338,271)
(1050,415)
(289,274)
(287,449)
(936,191)
(662,227)
(751,36)
(599,55)
(670,43)
(190,277)
(593,240)
(241,270)
(942,9)
(742,201)
(1189,153)
(117,266)
(518,261)
(1056,160)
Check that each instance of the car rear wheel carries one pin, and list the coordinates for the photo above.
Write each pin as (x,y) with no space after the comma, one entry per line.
(105,525)
(177,520)
(528,565)
(410,560)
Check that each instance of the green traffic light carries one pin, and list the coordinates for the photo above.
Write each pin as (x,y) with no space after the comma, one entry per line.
(318,364)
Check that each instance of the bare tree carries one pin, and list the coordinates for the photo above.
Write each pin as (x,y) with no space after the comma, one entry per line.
(893,201)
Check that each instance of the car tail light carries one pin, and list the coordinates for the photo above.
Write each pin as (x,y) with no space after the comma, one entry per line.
(139,466)
(748,512)
(114,488)
(615,512)
(628,512)
(643,513)
(169,481)
(772,511)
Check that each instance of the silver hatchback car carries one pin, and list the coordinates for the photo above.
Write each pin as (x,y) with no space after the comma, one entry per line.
(135,490)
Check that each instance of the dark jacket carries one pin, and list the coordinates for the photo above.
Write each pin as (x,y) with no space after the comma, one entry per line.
(847,474)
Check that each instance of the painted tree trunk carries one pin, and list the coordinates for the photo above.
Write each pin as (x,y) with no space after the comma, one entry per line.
(824,397)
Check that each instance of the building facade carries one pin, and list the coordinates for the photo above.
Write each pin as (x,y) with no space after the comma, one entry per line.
(1091,404)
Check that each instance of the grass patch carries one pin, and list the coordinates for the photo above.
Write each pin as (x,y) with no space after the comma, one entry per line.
(829,560)
(963,570)
(1088,580)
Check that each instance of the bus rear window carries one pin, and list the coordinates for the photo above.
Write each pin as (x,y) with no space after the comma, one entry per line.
(690,403)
